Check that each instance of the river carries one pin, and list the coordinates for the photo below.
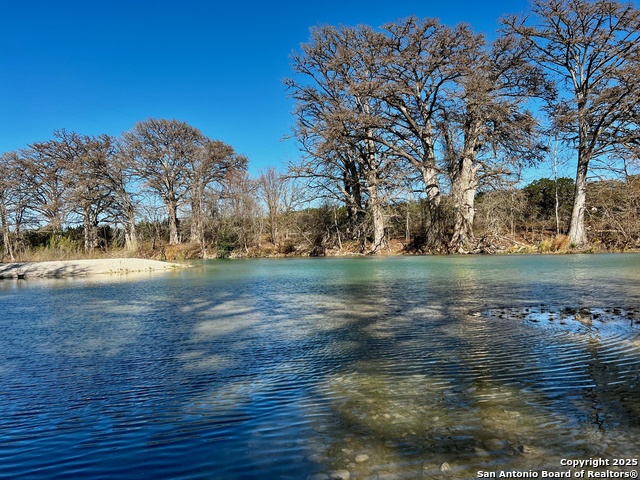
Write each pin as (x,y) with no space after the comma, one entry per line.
(360,368)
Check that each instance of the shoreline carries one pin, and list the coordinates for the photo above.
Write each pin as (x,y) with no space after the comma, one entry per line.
(121,266)
(75,268)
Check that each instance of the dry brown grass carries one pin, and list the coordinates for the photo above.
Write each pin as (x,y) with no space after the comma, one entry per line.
(556,244)
(54,254)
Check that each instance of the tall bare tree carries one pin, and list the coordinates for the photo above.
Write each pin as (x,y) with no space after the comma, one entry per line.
(5,200)
(419,65)
(122,182)
(214,163)
(333,175)
(281,196)
(91,192)
(271,188)
(337,110)
(483,123)
(14,200)
(161,151)
(47,165)
(590,48)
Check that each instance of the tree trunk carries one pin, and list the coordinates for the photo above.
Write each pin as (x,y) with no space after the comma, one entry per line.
(131,238)
(435,234)
(88,228)
(197,228)
(6,237)
(577,232)
(463,190)
(273,226)
(378,226)
(353,203)
(197,215)
(172,213)
(55,223)
(377,213)
(130,234)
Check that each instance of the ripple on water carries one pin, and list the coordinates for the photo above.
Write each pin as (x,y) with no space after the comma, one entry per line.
(508,389)
(346,381)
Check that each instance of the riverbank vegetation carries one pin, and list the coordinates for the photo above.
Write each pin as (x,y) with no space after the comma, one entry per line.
(413,139)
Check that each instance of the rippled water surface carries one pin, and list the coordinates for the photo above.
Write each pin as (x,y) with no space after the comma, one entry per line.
(322,368)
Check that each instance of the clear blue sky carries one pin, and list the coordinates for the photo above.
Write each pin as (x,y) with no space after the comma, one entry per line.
(99,67)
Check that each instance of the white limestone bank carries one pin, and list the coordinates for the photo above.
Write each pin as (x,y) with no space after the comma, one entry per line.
(72,268)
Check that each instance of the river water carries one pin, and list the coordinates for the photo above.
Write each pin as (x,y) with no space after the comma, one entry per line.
(361,368)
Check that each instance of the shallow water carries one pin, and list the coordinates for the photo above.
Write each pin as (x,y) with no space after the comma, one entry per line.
(380,368)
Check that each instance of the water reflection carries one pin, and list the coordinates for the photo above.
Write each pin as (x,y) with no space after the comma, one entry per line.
(382,368)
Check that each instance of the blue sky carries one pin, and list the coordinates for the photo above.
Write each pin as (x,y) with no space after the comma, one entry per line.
(99,67)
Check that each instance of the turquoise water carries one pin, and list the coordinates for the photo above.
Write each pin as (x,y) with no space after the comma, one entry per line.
(406,367)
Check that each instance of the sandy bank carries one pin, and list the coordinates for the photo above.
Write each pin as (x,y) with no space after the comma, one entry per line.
(72,268)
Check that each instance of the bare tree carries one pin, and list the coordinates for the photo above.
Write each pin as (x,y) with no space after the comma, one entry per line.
(590,49)
(6,168)
(338,112)
(240,211)
(281,196)
(214,162)
(382,101)
(419,66)
(271,188)
(334,176)
(47,167)
(161,151)
(122,182)
(14,201)
(484,125)
(91,192)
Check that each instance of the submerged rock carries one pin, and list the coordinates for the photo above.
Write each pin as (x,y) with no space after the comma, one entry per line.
(319,476)
(495,444)
(340,475)
(480,452)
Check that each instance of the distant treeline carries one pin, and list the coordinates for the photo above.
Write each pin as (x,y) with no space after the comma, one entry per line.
(163,190)
(111,188)
(412,137)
